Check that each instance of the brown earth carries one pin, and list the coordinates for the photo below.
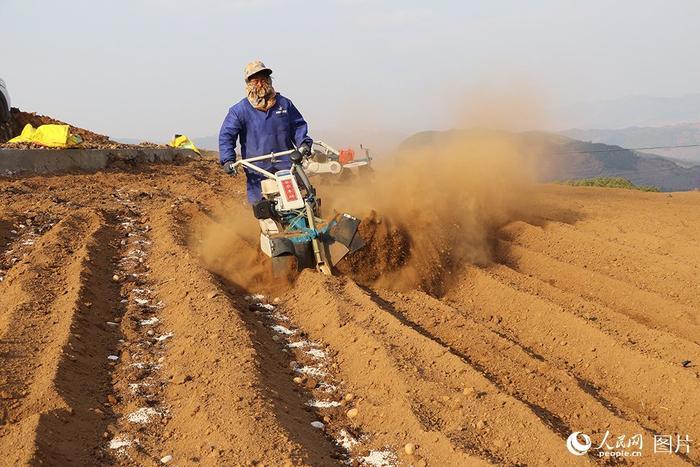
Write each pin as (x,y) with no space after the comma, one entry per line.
(558,309)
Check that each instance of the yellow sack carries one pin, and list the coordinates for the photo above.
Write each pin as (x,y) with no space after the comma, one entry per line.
(56,136)
(183,142)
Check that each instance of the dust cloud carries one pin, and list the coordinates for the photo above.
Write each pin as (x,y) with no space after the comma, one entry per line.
(516,106)
(434,209)
(229,247)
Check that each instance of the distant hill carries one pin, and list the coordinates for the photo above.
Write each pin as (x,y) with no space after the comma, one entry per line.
(563,158)
(670,135)
(630,111)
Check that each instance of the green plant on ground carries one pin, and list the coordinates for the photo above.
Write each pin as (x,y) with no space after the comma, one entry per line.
(609,182)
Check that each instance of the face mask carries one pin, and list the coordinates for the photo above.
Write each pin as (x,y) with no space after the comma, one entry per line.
(261,94)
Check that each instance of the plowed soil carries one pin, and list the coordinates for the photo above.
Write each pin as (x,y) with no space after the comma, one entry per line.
(138,326)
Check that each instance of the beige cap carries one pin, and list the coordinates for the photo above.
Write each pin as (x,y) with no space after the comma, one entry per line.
(254,67)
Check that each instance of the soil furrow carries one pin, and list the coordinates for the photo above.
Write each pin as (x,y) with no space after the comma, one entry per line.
(651,223)
(83,379)
(646,308)
(414,370)
(642,389)
(288,403)
(652,342)
(215,366)
(659,274)
(137,384)
(45,304)
(554,395)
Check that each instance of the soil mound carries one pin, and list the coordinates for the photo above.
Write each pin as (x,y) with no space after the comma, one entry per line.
(90,139)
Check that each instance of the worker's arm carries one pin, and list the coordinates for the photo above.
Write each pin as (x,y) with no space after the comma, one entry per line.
(300,129)
(228,135)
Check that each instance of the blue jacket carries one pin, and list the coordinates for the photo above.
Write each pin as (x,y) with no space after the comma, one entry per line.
(261,133)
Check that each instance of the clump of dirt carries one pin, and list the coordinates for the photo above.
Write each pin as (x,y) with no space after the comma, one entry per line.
(387,248)
(433,210)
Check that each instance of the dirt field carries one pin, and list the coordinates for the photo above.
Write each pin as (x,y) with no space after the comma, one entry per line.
(132,332)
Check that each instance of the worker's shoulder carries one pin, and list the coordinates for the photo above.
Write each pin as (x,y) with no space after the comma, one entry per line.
(283,100)
(239,106)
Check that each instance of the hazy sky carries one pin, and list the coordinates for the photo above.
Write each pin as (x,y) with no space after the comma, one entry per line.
(151,68)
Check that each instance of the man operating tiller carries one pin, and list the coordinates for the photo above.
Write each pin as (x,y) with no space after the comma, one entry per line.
(274,148)
(264,122)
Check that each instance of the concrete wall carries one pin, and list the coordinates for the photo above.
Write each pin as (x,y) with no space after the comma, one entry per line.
(13,161)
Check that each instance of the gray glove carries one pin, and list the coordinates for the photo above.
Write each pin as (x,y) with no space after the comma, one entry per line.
(230,169)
